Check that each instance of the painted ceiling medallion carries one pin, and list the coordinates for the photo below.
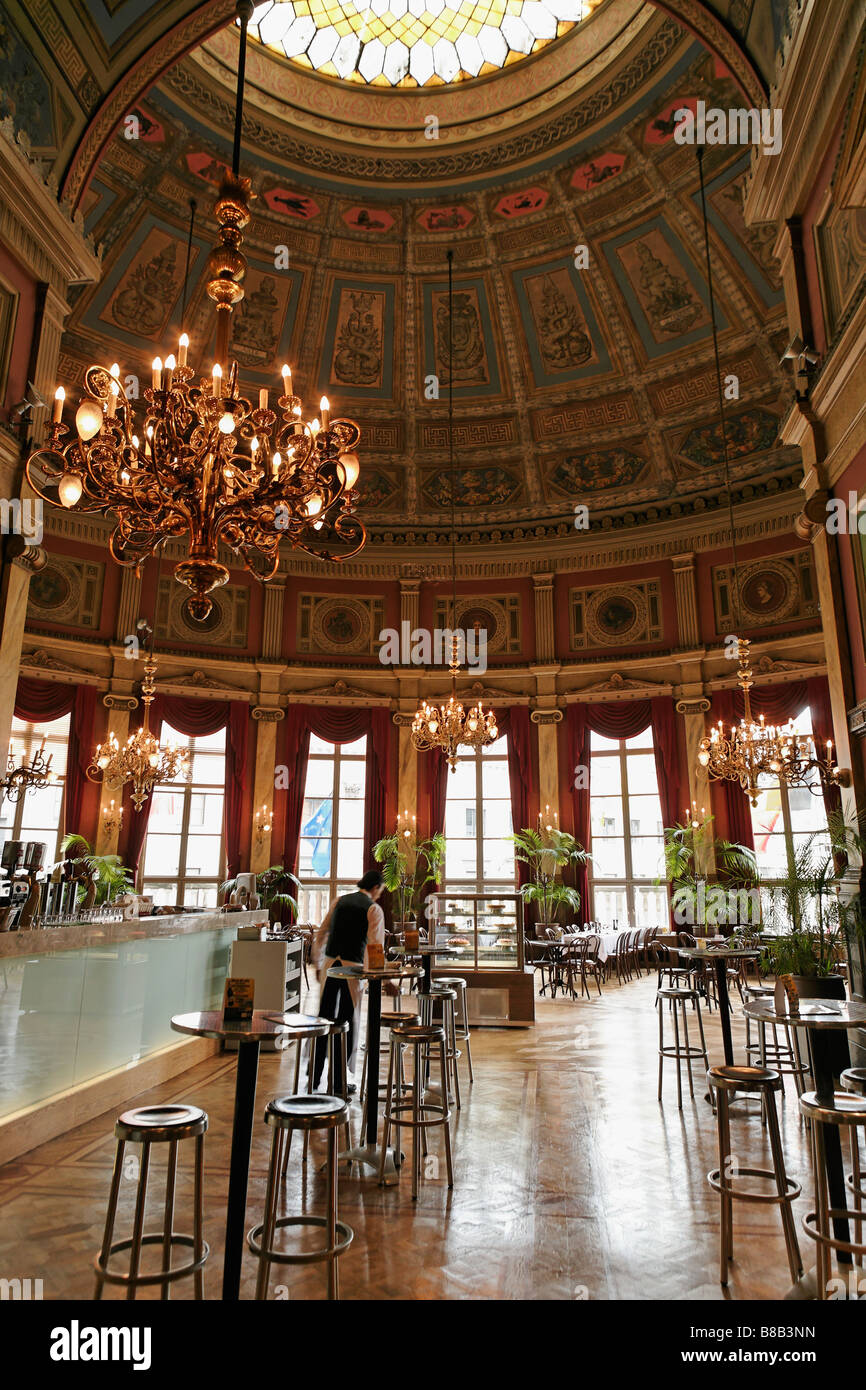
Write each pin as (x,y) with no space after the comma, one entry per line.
(413,43)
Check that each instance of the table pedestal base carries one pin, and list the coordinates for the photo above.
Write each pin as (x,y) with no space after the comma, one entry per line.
(370,1156)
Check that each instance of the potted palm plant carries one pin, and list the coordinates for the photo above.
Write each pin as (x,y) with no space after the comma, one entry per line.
(547,853)
(807,907)
(101,877)
(732,899)
(408,864)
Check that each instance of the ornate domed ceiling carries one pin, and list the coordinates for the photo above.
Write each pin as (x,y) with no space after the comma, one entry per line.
(579,377)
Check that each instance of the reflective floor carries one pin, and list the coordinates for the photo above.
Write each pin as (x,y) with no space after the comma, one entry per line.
(571,1181)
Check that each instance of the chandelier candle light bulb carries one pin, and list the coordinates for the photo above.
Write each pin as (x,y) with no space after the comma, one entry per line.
(59,398)
(182,348)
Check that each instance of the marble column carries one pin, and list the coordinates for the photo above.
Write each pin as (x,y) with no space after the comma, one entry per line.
(546,722)
(266,718)
(120,707)
(693,712)
(14,589)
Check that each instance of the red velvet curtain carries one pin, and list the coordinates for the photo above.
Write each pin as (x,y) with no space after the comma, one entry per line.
(515,723)
(337,724)
(40,702)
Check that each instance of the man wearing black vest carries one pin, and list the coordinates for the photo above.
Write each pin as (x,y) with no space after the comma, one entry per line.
(352,921)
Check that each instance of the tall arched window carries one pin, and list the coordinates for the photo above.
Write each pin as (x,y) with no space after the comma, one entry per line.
(480,854)
(627,833)
(184,851)
(785,818)
(331,854)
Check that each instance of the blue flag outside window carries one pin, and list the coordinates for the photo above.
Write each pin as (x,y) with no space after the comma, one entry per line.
(318,828)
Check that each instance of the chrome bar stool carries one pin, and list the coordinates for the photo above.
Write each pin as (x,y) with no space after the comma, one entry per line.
(422,1039)
(308,1033)
(854,1079)
(847,1111)
(724,1082)
(444,996)
(390,1018)
(306,1112)
(155,1124)
(461,1018)
(680,1050)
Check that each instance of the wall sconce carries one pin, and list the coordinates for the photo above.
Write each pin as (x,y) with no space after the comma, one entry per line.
(544,821)
(262,825)
(112,818)
(406,825)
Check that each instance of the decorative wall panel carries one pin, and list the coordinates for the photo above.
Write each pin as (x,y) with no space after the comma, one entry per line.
(338,625)
(227,624)
(778,589)
(67,592)
(618,615)
(499,618)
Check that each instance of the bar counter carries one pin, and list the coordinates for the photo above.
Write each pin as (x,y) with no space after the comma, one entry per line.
(85,1013)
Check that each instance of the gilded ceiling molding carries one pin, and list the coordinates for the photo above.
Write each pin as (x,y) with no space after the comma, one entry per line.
(50,242)
(169,683)
(339,692)
(39,661)
(617,687)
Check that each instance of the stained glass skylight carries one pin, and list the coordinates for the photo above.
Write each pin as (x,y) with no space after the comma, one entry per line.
(412,43)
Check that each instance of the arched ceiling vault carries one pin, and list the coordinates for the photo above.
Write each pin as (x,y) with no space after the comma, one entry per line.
(146,41)
(574,384)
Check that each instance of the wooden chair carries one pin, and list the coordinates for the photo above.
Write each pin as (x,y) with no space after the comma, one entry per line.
(590,963)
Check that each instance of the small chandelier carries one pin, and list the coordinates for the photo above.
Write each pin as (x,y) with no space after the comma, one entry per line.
(449,726)
(206,463)
(29,777)
(141,761)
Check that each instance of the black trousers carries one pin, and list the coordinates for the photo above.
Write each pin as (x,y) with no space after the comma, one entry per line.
(336,1003)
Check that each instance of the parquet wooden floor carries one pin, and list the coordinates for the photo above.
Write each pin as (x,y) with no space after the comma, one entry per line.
(571,1180)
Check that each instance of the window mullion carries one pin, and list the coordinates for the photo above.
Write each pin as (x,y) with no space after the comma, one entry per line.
(335,819)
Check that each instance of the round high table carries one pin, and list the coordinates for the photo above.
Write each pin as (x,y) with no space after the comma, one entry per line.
(367,1151)
(265,1024)
(427,950)
(819,1028)
(720,959)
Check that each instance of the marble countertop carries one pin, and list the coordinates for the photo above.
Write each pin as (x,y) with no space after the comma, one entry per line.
(79,935)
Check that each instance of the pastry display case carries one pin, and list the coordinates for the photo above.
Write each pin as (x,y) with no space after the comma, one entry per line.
(485,930)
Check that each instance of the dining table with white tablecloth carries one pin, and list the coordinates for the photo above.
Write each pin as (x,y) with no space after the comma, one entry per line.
(607,941)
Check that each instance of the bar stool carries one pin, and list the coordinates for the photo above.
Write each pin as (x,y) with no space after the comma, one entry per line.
(680,1051)
(155,1124)
(724,1081)
(306,1112)
(846,1111)
(310,1032)
(389,1019)
(461,1017)
(444,995)
(854,1079)
(421,1038)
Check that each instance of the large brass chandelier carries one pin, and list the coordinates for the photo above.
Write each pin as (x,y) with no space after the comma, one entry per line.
(141,761)
(753,749)
(206,463)
(449,726)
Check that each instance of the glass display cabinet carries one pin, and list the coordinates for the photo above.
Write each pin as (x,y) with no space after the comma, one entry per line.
(486,931)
